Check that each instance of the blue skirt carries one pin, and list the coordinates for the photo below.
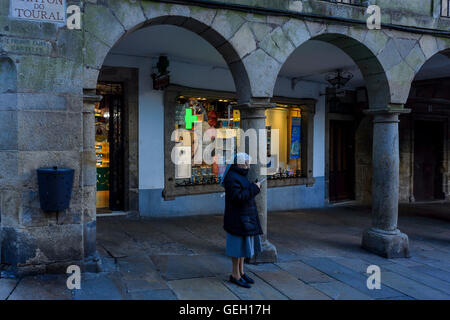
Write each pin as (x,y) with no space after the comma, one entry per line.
(242,246)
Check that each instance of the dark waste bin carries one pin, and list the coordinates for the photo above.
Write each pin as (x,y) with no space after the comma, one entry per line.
(55,188)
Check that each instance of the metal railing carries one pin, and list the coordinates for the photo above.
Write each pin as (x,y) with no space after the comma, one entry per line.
(353,2)
(445,8)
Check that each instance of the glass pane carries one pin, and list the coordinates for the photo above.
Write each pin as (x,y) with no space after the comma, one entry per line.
(201,125)
(284,141)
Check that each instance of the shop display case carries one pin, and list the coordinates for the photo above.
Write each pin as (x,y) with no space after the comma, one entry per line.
(213,118)
(289,123)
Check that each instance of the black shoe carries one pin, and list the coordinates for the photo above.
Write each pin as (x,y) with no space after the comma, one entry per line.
(241,282)
(247,279)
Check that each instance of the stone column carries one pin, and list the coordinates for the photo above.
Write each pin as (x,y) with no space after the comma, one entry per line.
(89,173)
(383,238)
(253,117)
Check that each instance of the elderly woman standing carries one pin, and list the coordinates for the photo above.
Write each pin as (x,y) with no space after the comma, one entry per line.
(241,221)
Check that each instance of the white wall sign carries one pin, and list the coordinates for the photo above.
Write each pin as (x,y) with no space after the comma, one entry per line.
(39,10)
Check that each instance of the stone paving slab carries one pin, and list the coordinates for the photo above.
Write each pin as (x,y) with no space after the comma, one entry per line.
(262,267)
(43,287)
(438,255)
(139,285)
(340,291)
(6,287)
(181,267)
(108,264)
(179,234)
(304,272)
(434,272)
(411,288)
(355,264)
(407,262)
(359,253)
(115,241)
(217,264)
(100,286)
(151,235)
(285,255)
(434,262)
(350,277)
(400,298)
(211,288)
(120,247)
(291,286)
(140,274)
(419,277)
(319,253)
(200,226)
(260,290)
(153,295)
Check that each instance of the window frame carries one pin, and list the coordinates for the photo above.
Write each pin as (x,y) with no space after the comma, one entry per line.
(171,191)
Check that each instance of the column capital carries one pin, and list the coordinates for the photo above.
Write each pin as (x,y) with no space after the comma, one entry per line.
(255,108)
(391,108)
(90,98)
(257,103)
(387,115)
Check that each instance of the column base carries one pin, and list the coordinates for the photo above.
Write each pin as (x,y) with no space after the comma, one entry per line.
(267,255)
(388,244)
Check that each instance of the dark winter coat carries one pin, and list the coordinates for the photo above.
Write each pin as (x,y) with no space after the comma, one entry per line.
(241,215)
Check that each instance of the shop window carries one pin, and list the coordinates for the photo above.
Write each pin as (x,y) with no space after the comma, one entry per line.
(290,122)
(285,160)
(214,119)
(220,118)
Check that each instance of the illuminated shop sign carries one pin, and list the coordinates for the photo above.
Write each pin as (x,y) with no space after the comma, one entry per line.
(189,119)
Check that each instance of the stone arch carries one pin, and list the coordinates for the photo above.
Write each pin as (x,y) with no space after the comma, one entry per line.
(414,50)
(426,48)
(377,84)
(218,27)
(363,47)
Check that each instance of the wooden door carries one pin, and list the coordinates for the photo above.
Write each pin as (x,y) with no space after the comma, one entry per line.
(342,161)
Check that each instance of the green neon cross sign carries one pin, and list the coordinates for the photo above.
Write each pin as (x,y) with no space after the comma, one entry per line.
(189,119)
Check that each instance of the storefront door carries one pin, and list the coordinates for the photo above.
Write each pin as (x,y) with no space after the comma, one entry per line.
(110,148)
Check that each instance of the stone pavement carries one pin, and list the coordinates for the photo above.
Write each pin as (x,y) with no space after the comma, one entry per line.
(319,258)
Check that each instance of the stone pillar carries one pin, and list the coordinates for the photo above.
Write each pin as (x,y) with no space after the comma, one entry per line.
(89,174)
(383,238)
(253,117)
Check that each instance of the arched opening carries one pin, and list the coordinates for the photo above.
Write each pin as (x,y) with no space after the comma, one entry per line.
(336,140)
(424,134)
(139,110)
(143,110)
(8,144)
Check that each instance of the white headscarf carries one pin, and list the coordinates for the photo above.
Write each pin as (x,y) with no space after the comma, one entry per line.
(242,157)
(239,158)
